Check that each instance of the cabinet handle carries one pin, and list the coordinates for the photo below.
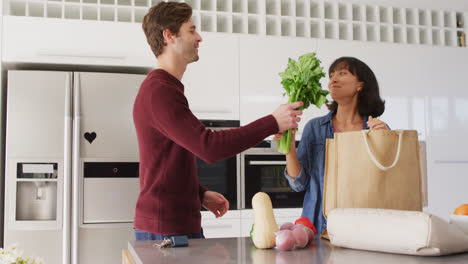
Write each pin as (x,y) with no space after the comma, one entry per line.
(217,226)
(204,109)
(79,55)
(67,172)
(267,162)
(76,170)
(450,161)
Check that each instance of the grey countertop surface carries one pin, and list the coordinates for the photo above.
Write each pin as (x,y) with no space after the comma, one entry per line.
(242,250)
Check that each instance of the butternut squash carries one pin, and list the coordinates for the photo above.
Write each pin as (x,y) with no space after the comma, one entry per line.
(263,235)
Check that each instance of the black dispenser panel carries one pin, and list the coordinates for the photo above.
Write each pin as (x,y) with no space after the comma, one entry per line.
(111,169)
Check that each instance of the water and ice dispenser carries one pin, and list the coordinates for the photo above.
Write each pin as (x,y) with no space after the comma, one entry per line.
(36,193)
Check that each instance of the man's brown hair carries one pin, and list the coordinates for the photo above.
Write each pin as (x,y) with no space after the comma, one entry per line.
(165,15)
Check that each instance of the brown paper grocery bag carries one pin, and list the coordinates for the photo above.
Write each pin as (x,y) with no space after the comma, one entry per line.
(373,169)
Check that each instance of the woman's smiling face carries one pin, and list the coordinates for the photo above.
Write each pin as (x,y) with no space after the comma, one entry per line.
(343,84)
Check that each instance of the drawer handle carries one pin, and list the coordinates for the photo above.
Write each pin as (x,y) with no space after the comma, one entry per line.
(266,162)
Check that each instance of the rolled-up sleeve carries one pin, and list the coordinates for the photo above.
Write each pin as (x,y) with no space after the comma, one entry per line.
(299,183)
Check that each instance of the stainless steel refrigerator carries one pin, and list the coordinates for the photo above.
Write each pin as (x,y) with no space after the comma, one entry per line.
(71,164)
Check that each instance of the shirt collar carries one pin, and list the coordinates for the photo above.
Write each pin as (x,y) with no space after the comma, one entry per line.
(327,119)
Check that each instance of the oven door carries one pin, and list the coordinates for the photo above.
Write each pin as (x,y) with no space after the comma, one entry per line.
(265,173)
(221,177)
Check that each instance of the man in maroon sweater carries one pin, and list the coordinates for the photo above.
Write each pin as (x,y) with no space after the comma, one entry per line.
(170,136)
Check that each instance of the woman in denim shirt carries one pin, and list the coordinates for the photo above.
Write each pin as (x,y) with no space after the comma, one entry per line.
(355,106)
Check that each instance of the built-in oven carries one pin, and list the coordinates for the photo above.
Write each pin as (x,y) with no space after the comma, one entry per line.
(223,176)
(263,171)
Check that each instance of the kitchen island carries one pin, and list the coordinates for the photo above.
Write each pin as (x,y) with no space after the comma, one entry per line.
(241,250)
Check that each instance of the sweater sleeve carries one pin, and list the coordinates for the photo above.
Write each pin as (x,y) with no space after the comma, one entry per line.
(201,192)
(172,117)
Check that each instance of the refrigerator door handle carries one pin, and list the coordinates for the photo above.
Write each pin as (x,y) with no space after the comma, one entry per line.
(76,168)
(67,170)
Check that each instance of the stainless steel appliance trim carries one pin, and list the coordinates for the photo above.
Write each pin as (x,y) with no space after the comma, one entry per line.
(216,125)
(267,162)
(242,181)
(76,168)
(262,151)
(238,180)
(67,171)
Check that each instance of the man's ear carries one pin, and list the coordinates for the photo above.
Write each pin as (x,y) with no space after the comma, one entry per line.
(168,36)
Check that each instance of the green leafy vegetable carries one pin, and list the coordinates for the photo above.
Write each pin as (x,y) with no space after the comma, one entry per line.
(301,80)
(251,231)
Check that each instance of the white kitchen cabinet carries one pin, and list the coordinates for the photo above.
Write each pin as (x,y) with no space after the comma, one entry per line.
(237,223)
(212,83)
(221,228)
(228,225)
(261,61)
(74,42)
(447,188)
(448,126)
(246,226)
(448,107)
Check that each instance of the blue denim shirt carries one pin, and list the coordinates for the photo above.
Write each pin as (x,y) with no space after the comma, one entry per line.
(311,155)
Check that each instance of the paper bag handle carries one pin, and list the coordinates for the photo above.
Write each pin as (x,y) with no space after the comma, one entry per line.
(374,160)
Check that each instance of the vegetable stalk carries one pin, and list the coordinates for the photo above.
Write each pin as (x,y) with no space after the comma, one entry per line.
(301,81)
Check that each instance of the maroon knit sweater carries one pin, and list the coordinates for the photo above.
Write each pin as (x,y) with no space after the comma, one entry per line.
(169,139)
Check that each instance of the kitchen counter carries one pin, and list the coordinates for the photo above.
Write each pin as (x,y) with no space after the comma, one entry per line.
(242,250)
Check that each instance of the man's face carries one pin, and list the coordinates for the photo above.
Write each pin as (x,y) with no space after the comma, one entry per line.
(187,41)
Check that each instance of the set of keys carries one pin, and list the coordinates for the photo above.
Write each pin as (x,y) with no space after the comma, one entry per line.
(173,241)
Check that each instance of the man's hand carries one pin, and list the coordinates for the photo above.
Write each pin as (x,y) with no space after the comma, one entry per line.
(286,116)
(216,203)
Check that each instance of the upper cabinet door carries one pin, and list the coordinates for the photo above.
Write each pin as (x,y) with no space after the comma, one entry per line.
(261,61)
(36,114)
(71,41)
(212,83)
(106,102)
(448,106)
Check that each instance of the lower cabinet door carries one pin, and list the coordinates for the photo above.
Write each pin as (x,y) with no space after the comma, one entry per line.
(216,228)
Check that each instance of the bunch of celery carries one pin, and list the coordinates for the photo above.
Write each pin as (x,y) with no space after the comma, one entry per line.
(301,80)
